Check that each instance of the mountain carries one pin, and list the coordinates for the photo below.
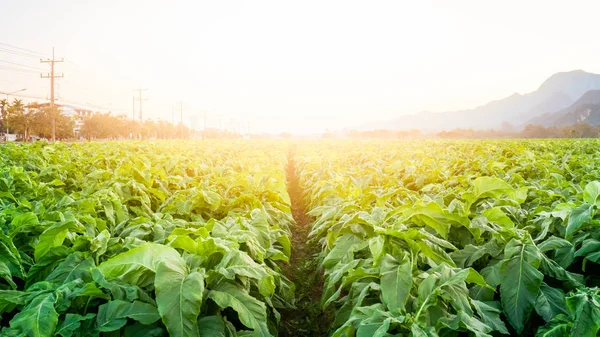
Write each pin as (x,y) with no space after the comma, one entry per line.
(555,102)
(585,109)
(557,92)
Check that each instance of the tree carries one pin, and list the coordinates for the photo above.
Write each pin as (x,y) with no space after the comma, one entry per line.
(42,124)
(149,129)
(105,125)
(4,113)
(19,117)
(584,130)
(97,126)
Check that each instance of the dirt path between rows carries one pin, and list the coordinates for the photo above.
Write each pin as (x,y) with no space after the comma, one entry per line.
(307,319)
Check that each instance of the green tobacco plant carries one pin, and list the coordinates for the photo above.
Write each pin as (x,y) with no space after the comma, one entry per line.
(438,238)
(142,239)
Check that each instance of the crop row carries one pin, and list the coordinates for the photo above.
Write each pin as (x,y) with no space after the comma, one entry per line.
(143,239)
(452,238)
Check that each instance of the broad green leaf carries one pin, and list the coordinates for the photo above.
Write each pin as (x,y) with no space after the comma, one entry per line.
(376,329)
(25,219)
(376,245)
(591,193)
(113,315)
(559,326)
(485,187)
(251,312)
(54,236)
(489,312)
(578,217)
(179,297)
(462,322)
(553,243)
(396,282)
(211,326)
(10,258)
(520,285)
(10,299)
(585,311)
(237,262)
(140,330)
(497,216)
(343,248)
(71,323)
(590,250)
(38,318)
(100,243)
(444,283)
(550,302)
(43,267)
(120,290)
(551,268)
(6,275)
(74,267)
(471,253)
(138,265)
(473,277)
(431,215)
(434,252)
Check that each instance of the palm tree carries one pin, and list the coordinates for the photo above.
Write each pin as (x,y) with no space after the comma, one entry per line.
(4,113)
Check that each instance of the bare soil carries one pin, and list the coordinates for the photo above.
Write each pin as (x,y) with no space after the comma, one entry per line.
(306,319)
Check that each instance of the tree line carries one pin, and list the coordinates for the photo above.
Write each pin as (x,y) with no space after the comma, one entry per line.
(109,126)
(578,130)
(35,120)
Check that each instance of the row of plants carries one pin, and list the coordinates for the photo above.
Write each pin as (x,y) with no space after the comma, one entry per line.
(456,238)
(143,239)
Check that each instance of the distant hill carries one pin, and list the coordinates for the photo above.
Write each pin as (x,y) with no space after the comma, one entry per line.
(555,102)
(585,109)
(556,93)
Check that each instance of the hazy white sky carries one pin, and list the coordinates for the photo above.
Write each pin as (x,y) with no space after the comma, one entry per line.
(302,66)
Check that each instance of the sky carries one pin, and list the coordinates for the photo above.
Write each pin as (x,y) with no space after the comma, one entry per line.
(292,66)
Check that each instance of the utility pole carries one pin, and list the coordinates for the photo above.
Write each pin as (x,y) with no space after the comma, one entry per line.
(181,118)
(133,117)
(204,132)
(141,99)
(220,118)
(52,76)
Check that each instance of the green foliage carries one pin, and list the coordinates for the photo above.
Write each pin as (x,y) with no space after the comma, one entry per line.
(152,239)
(448,238)
(417,238)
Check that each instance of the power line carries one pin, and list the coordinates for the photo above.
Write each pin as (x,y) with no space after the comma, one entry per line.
(78,84)
(73,71)
(29,96)
(22,65)
(23,49)
(68,102)
(13,82)
(18,53)
(17,69)
(91,105)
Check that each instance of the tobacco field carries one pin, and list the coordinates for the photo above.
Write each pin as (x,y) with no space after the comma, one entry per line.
(306,238)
